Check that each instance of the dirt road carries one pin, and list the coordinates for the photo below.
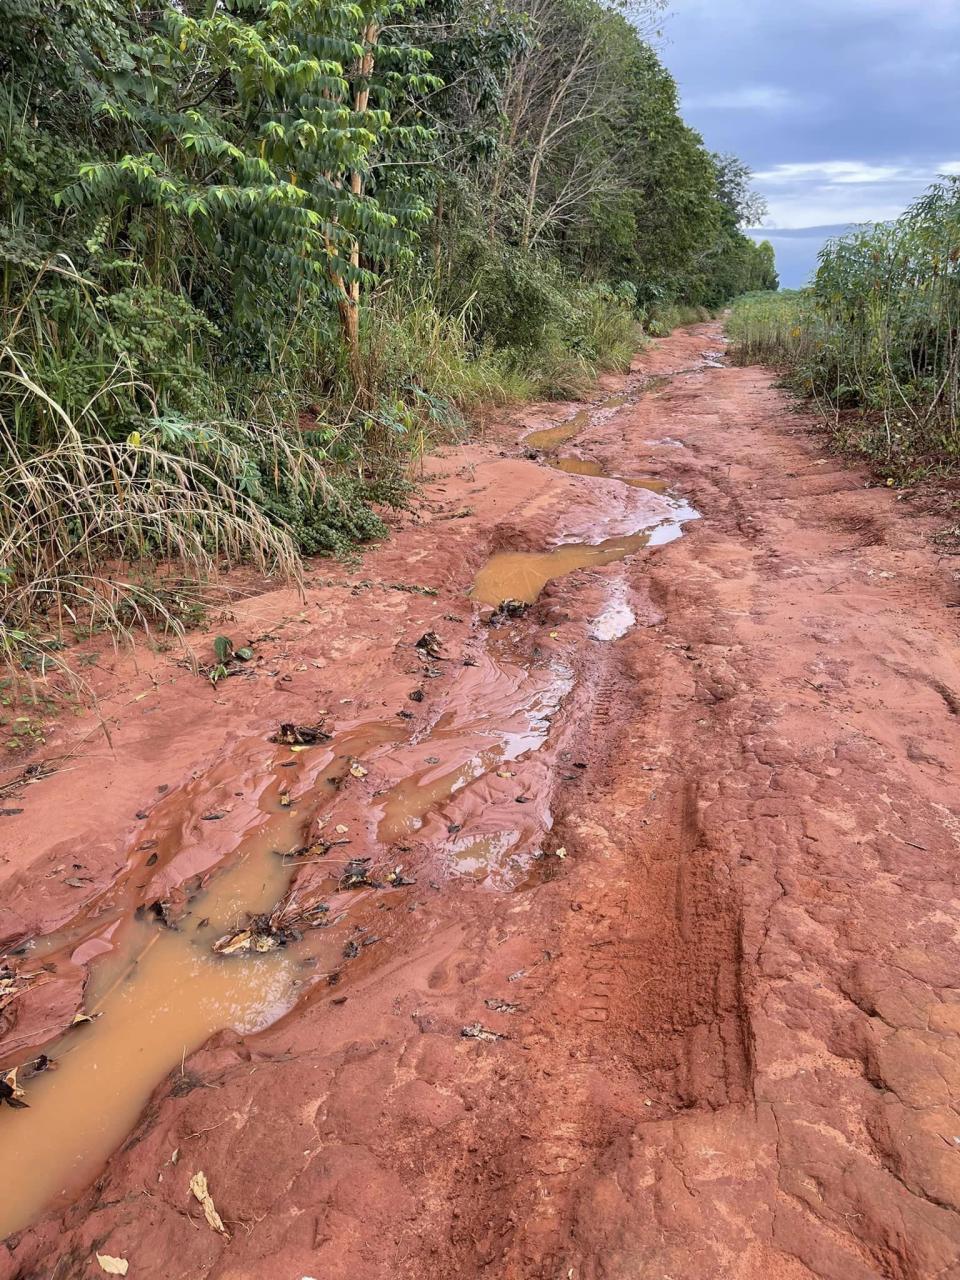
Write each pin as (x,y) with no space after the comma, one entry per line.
(674,993)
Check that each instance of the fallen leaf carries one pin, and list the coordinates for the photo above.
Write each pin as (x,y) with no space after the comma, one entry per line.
(477,1031)
(113,1266)
(263,942)
(357,770)
(341,829)
(560,853)
(300,735)
(12,1093)
(231,943)
(198,1185)
(430,644)
(502,1006)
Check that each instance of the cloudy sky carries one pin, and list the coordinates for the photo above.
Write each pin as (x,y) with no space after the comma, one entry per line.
(845,109)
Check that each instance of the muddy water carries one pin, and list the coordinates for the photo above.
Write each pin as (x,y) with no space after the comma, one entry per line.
(522,575)
(587,467)
(158,995)
(552,437)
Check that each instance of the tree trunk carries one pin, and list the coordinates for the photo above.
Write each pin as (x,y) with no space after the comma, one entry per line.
(350,327)
(349,304)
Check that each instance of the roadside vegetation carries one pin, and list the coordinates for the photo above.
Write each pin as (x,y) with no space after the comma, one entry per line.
(876,339)
(256,255)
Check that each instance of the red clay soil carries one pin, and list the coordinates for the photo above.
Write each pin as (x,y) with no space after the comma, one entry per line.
(719,940)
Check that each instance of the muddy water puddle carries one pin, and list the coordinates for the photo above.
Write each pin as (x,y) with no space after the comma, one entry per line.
(550,438)
(157,995)
(522,575)
(587,467)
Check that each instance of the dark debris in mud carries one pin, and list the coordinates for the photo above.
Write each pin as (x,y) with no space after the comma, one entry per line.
(11,1092)
(356,875)
(284,925)
(300,735)
(506,611)
(159,911)
(477,1031)
(502,1006)
(309,852)
(13,983)
(32,773)
(431,645)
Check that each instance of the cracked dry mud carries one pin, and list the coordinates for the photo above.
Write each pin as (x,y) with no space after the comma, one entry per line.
(727,1018)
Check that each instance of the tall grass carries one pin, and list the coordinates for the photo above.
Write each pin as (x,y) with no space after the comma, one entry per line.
(598,332)
(664,317)
(127,445)
(84,518)
(877,338)
(769,328)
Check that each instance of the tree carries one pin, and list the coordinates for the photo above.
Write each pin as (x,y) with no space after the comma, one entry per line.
(266,135)
(735,193)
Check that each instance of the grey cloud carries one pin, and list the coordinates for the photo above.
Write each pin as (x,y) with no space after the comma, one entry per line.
(846,109)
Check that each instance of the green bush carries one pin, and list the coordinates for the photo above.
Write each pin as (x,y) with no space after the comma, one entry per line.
(875,339)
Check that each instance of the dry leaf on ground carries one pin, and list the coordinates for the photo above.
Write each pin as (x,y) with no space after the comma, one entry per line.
(198,1185)
(112,1266)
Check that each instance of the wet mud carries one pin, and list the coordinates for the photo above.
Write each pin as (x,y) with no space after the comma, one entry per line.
(608,933)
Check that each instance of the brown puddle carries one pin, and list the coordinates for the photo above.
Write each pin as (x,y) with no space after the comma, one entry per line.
(157,996)
(522,575)
(550,438)
(587,467)
(158,993)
